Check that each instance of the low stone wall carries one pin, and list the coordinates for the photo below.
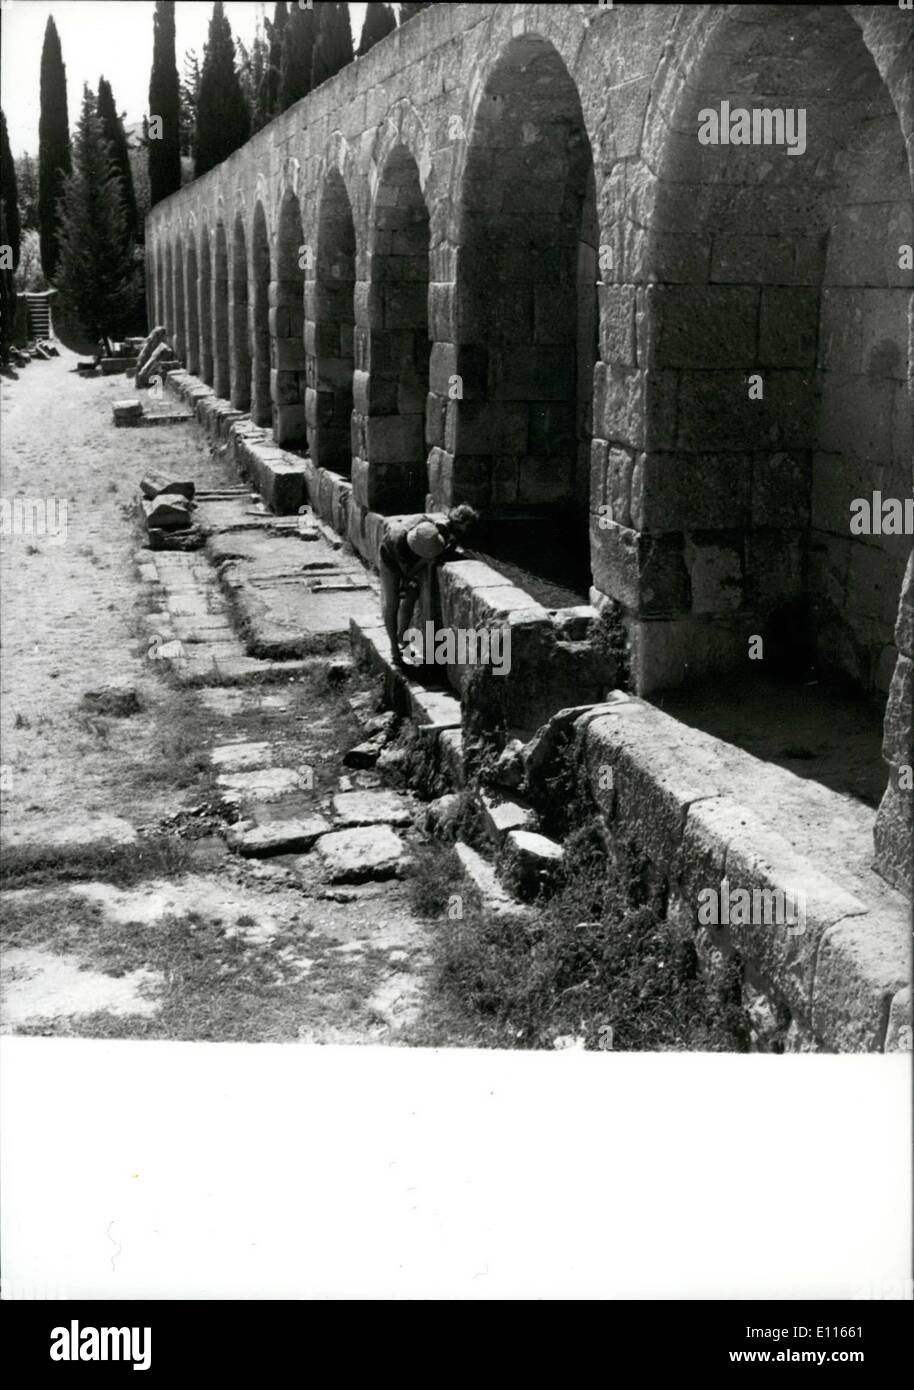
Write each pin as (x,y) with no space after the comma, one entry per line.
(687,813)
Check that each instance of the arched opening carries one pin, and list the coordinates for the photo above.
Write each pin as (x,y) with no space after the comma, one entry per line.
(287,326)
(526,309)
(777,394)
(221,356)
(261,403)
(241,350)
(205,299)
(399,347)
(192,306)
(159,283)
(169,291)
(330,332)
(180,334)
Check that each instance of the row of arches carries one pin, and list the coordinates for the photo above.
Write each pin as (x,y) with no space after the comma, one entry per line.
(569,349)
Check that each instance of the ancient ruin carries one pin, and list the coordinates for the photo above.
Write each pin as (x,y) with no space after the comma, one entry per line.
(492,262)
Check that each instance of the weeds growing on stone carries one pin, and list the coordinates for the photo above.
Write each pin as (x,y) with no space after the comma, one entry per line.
(590,964)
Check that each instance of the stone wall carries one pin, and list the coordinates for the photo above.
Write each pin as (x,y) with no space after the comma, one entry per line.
(490,262)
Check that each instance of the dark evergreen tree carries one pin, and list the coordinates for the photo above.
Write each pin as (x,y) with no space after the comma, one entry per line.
(164,103)
(96,273)
(379,22)
(407,11)
(253,66)
(333,45)
(269,92)
(223,119)
(9,197)
(113,131)
(297,54)
(53,145)
(10,236)
(27,182)
(189,96)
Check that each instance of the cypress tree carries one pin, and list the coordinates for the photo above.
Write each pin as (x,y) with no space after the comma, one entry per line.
(53,145)
(96,275)
(379,22)
(407,11)
(9,196)
(164,102)
(10,235)
(113,131)
(223,119)
(269,95)
(333,46)
(297,54)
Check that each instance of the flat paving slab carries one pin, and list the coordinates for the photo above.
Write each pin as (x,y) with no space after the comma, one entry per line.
(370,852)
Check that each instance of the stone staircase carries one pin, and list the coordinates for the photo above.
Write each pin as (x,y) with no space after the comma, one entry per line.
(38,307)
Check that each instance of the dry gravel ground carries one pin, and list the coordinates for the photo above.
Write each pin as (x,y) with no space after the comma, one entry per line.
(188,941)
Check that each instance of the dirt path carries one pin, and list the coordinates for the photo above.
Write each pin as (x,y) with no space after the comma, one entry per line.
(175,936)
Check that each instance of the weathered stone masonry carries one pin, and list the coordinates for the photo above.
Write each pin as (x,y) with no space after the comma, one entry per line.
(491,262)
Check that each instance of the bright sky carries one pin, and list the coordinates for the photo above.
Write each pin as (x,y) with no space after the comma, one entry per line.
(109,38)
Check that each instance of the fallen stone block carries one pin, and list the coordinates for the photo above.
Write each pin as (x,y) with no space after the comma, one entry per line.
(371,808)
(365,755)
(115,366)
(191,539)
(154,484)
(167,512)
(127,412)
(352,856)
(160,361)
(280,836)
(532,863)
(483,885)
(501,817)
(153,340)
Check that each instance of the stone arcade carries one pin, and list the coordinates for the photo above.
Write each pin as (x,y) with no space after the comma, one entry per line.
(491,262)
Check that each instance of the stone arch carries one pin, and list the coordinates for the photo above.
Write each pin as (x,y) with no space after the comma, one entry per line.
(240,336)
(180,333)
(730,515)
(221,354)
(205,300)
(191,301)
(287,323)
(391,472)
(330,330)
(261,403)
(169,286)
(518,381)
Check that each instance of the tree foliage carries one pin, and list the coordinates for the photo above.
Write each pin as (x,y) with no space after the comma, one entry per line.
(27,183)
(273,75)
(53,145)
(96,273)
(223,119)
(113,131)
(333,44)
(297,54)
(379,22)
(165,103)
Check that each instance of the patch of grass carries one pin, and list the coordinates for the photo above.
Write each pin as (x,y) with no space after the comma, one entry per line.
(589,963)
(216,985)
(434,876)
(154,856)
